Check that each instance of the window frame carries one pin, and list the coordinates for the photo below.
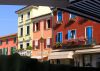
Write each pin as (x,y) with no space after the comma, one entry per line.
(57,15)
(28,30)
(58,38)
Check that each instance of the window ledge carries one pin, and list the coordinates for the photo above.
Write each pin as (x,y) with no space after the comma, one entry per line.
(36,31)
(48,28)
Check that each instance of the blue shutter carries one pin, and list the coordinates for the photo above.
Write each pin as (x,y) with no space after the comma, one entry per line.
(89,35)
(75,34)
(73,16)
(59,16)
(57,38)
(60,36)
(69,34)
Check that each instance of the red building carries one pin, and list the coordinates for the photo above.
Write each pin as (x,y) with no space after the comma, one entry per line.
(68,26)
(70,31)
(8,44)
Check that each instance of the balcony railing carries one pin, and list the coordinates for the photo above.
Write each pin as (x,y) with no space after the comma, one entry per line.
(57,24)
(24,52)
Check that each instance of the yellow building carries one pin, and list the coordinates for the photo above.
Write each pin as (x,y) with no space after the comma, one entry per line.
(25,25)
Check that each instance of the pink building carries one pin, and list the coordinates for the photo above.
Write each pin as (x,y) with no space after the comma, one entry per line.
(42,36)
(8,44)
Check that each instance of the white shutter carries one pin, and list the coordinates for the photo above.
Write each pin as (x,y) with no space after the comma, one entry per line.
(36,42)
(48,41)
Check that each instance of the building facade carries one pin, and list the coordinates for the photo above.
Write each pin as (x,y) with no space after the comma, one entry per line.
(42,36)
(25,25)
(72,33)
(8,44)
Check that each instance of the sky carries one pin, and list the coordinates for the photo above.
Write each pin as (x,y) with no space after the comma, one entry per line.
(8,19)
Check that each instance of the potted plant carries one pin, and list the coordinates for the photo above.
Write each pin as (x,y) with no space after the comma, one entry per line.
(29,48)
(58,45)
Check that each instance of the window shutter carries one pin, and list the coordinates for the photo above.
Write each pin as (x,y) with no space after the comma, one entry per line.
(38,44)
(59,16)
(33,27)
(60,36)
(69,34)
(33,44)
(57,38)
(51,22)
(44,24)
(39,26)
(44,43)
(51,42)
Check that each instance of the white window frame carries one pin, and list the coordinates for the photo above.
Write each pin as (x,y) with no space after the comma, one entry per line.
(47,43)
(36,43)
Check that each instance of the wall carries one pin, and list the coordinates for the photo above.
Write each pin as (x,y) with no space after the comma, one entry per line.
(80,28)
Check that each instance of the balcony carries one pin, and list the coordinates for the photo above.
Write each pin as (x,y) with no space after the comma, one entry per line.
(82,20)
(58,23)
(24,52)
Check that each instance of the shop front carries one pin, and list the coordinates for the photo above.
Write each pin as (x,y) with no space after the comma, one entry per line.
(61,57)
(87,57)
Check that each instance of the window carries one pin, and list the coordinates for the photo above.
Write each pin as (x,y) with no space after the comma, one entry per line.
(28,15)
(21,17)
(0,42)
(15,40)
(36,44)
(87,60)
(47,24)
(21,31)
(21,46)
(28,30)
(59,37)
(5,51)
(59,16)
(72,16)
(71,34)
(36,26)
(13,50)
(28,44)
(48,42)
(6,41)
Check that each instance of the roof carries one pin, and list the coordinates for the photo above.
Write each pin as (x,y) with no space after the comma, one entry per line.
(86,8)
(25,8)
(41,16)
(6,36)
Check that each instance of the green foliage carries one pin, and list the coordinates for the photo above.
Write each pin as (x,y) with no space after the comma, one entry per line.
(58,44)
(29,48)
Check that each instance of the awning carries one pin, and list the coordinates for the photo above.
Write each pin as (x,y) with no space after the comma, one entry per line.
(38,57)
(61,55)
(87,51)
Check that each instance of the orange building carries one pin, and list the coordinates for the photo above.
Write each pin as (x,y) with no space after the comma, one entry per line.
(42,36)
(8,44)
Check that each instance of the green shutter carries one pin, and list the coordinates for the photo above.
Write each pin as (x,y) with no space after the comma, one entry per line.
(13,49)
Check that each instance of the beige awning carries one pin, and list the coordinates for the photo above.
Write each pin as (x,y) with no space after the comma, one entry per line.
(38,57)
(87,51)
(61,55)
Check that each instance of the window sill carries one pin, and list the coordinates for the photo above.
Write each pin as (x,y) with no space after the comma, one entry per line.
(28,19)
(36,31)
(27,34)
(20,22)
(48,28)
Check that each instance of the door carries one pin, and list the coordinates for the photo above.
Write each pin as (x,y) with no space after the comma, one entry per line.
(89,35)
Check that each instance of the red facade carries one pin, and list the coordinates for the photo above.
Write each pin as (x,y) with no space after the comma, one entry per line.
(8,44)
(78,23)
